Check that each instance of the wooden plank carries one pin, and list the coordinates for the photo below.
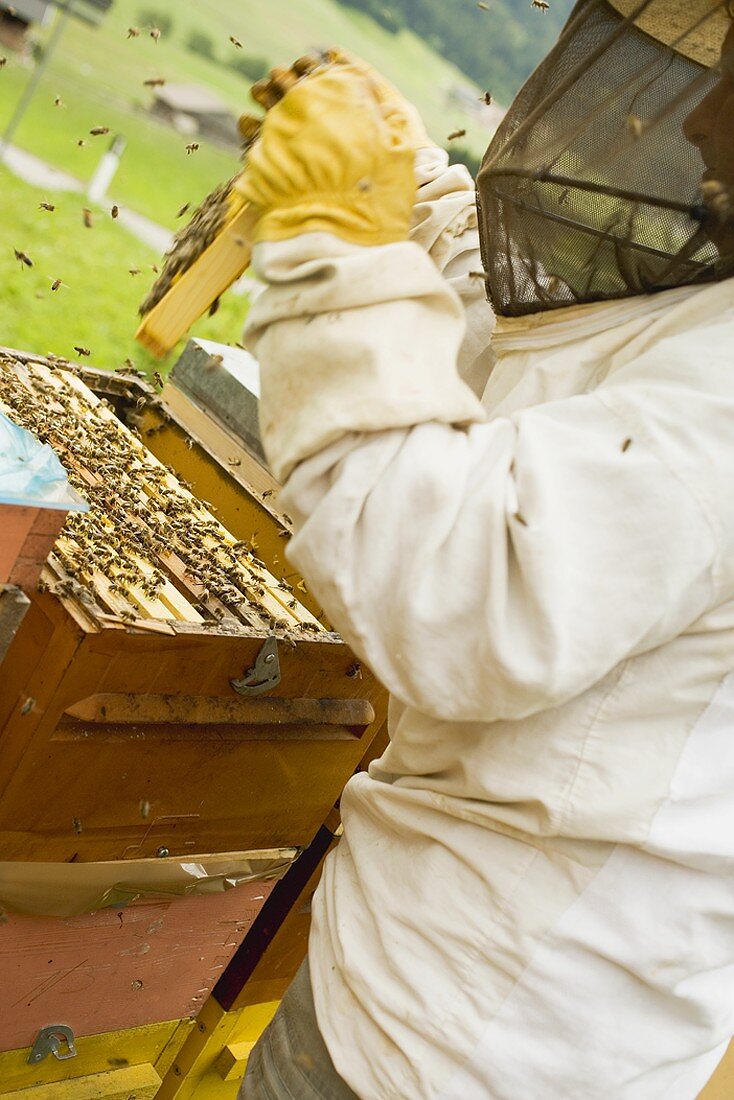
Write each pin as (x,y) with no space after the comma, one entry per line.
(128,1083)
(196,710)
(120,968)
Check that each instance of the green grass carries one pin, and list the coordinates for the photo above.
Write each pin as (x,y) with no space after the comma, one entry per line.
(99,74)
(97,306)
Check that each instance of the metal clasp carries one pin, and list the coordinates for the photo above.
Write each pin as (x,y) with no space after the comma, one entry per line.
(264,674)
(50,1040)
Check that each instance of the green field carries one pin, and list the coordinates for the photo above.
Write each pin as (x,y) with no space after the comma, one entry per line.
(99,75)
(96,305)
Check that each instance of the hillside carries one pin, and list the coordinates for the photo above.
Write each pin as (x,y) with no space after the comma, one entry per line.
(497,45)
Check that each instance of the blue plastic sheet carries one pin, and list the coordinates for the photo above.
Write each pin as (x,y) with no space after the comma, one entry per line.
(31,474)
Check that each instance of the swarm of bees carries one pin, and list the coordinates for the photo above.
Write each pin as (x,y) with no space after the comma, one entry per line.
(147,549)
(210,217)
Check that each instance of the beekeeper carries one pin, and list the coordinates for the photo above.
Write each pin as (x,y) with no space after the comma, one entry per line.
(530,539)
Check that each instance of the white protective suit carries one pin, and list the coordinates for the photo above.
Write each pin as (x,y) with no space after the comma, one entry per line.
(534,896)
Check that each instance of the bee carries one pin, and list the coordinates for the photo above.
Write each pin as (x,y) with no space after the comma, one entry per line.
(482,5)
(3,62)
(183,210)
(456,134)
(81,142)
(133,32)
(214,307)
(87,217)
(626,445)
(81,351)
(486,98)
(134,270)
(23,258)
(99,131)
(158,379)
(47,206)
(76,825)
(58,102)
(128,616)
(56,284)
(155,268)
(154,82)
(115,211)
(541,5)
(354,672)
(192,147)
(155,34)
(235,42)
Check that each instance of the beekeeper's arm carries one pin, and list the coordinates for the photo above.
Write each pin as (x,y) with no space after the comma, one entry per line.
(481,569)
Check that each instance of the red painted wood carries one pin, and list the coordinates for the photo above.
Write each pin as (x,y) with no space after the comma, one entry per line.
(119,968)
(27,537)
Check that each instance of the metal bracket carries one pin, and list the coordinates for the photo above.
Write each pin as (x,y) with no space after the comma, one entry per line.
(264,674)
(50,1040)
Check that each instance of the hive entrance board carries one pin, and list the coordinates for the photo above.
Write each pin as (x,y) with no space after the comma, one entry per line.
(148,552)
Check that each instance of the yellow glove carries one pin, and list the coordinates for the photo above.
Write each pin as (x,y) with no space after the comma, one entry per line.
(335,155)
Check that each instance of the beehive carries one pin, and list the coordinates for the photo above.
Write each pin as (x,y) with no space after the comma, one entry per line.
(122,688)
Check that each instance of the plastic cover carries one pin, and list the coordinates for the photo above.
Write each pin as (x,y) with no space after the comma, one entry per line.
(72,889)
(31,473)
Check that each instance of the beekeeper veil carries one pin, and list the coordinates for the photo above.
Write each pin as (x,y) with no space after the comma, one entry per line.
(603,180)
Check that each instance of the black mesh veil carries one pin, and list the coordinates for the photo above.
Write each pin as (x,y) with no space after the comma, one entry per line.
(591,189)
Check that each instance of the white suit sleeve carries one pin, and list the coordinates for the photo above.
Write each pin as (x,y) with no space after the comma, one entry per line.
(445,225)
(496,572)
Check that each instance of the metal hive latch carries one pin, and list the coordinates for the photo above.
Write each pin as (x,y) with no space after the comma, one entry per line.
(58,1039)
(264,674)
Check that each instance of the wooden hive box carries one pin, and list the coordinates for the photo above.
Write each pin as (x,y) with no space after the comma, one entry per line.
(123,730)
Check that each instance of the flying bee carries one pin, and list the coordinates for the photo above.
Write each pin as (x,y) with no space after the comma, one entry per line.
(235,42)
(183,210)
(115,211)
(57,101)
(486,98)
(81,142)
(482,5)
(3,62)
(47,206)
(133,32)
(134,270)
(192,147)
(87,217)
(154,82)
(99,131)
(158,379)
(155,34)
(456,134)
(23,258)
(81,350)
(541,5)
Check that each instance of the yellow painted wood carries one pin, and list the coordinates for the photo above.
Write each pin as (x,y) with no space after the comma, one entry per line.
(130,1083)
(96,1054)
(212,1062)
(721,1085)
(232,1062)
